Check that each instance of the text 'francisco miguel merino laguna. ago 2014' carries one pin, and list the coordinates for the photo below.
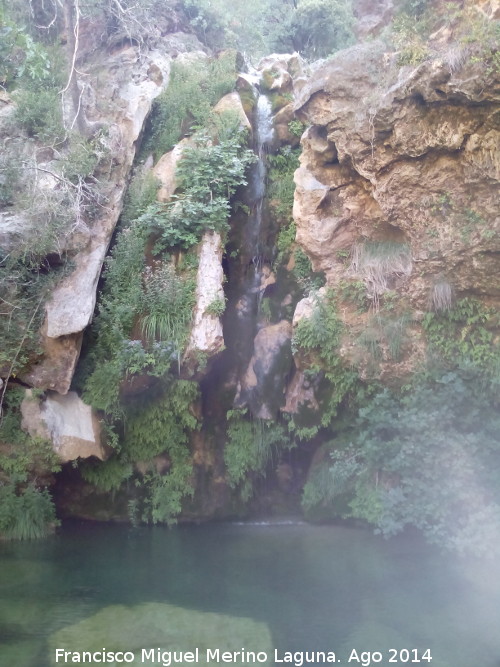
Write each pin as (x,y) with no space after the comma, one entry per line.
(215,655)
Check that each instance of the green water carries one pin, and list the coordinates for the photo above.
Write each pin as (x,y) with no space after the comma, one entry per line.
(302,588)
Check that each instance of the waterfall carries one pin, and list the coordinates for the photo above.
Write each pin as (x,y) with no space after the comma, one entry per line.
(252,244)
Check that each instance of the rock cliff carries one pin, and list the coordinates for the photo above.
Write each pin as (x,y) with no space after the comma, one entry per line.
(401,161)
(228,333)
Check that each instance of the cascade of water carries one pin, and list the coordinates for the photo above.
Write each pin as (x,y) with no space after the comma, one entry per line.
(251,250)
(246,264)
(257,180)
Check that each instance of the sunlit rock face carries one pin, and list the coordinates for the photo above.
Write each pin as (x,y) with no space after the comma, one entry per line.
(206,332)
(67,422)
(116,98)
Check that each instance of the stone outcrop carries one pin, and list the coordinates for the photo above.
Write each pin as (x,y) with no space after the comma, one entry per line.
(232,103)
(164,170)
(116,96)
(263,384)
(67,422)
(406,158)
(206,332)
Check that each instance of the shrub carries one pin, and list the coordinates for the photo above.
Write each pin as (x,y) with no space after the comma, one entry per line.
(208,176)
(27,515)
(106,475)
(251,445)
(284,242)
(192,92)
(464,334)
(38,112)
(168,301)
(141,193)
(321,27)
(216,307)
(315,28)
(319,336)
(427,459)
(281,185)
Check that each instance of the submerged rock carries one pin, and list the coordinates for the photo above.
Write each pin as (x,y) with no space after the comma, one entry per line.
(163,627)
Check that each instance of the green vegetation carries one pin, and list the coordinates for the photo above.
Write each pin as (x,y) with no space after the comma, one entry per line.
(162,427)
(252,444)
(428,458)
(318,339)
(146,305)
(26,511)
(22,453)
(465,335)
(296,127)
(108,475)
(354,291)
(318,28)
(285,242)
(216,307)
(384,336)
(186,104)
(25,515)
(476,38)
(281,186)
(208,175)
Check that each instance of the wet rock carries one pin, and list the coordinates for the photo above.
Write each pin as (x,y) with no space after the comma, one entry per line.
(245,85)
(299,393)
(263,383)
(154,624)
(279,70)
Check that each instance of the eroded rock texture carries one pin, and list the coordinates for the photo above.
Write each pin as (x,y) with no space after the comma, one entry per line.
(116,97)
(402,156)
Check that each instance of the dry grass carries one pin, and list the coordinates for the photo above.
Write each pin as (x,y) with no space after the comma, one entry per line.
(440,296)
(378,264)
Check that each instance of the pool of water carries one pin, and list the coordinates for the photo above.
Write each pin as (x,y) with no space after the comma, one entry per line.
(285,588)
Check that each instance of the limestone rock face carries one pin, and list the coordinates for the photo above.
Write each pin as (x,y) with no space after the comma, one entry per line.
(70,424)
(409,156)
(164,170)
(279,70)
(206,332)
(232,102)
(117,95)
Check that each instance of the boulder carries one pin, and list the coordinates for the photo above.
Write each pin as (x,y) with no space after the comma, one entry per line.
(232,103)
(153,624)
(70,424)
(165,168)
(262,386)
